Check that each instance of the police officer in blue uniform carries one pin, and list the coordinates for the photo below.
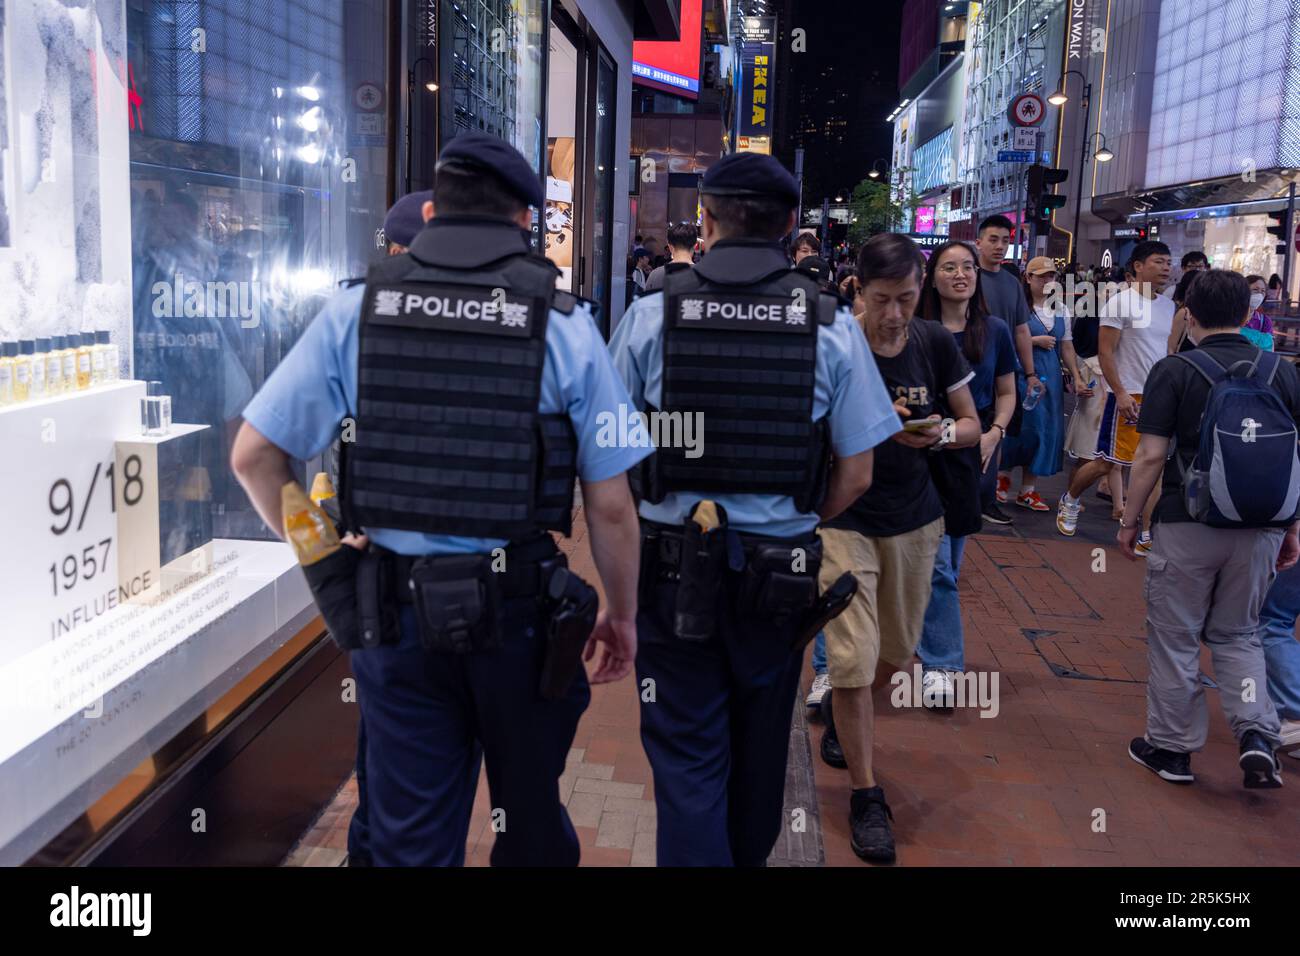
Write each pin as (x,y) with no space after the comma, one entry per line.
(779,378)
(401,224)
(476,392)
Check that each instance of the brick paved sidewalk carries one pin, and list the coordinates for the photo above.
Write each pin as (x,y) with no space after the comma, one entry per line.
(1022,788)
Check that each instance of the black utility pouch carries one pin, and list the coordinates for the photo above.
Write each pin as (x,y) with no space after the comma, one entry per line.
(457,603)
(779,585)
(333,583)
(572,604)
(703,560)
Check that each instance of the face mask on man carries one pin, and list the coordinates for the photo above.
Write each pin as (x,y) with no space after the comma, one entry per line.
(1256,300)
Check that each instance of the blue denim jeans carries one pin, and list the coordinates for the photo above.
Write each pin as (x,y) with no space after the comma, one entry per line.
(942,645)
(819,653)
(1281,649)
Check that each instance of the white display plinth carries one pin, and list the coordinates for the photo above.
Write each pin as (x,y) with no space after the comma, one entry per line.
(85,711)
(95,682)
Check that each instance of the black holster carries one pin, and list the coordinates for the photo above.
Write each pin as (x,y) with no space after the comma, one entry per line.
(457,602)
(350,587)
(829,606)
(701,580)
(572,605)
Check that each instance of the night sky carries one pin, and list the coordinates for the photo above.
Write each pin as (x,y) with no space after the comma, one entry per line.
(840,90)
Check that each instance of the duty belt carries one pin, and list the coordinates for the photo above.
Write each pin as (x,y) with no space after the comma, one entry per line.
(667,540)
(526,565)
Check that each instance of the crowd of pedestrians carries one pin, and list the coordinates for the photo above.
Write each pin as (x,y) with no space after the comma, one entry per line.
(1213,513)
(1015,381)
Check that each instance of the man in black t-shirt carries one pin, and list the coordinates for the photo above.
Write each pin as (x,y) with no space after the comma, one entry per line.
(1004,292)
(1204,584)
(888,538)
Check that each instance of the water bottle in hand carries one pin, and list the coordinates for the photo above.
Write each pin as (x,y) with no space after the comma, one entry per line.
(1032,395)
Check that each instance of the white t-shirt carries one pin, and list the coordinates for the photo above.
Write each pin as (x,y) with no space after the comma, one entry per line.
(1144,326)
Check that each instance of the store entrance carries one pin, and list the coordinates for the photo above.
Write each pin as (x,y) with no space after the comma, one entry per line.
(580,127)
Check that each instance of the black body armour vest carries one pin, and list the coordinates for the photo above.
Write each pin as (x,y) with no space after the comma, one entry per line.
(448,438)
(740,353)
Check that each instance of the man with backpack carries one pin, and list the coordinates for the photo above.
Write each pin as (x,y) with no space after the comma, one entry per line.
(1224,524)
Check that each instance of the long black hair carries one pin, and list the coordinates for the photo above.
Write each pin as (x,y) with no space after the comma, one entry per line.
(1184,285)
(930,307)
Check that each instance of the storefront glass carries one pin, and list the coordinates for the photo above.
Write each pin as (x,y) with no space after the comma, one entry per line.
(1242,244)
(193,180)
(562,180)
(491,74)
(603,186)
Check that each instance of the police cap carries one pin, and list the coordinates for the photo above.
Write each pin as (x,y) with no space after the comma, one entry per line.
(750,174)
(406,218)
(482,151)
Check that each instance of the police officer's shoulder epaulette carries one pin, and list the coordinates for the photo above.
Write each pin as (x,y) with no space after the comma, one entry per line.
(349,283)
(565,302)
(828,303)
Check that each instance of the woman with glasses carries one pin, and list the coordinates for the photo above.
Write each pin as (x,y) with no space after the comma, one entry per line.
(951,296)
(1037,450)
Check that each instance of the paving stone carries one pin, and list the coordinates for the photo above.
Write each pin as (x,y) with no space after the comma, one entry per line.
(617,829)
(643,848)
(585,809)
(610,788)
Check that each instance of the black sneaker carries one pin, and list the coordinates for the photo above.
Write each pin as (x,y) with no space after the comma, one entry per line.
(869,817)
(832,752)
(1168,764)
(995,515)
(1262,768)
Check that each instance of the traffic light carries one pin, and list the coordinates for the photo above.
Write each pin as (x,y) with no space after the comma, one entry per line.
(1282,229)
(1043,203)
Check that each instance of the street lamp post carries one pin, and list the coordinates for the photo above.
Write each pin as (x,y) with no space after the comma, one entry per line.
(1059,98)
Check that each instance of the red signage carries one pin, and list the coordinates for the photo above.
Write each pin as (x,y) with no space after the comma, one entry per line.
(672,65)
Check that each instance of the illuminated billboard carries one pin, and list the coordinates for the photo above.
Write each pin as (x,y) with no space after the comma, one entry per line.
(672,65)
(754,119)
(1221,100)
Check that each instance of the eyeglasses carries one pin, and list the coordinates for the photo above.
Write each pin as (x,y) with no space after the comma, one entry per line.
(951,269)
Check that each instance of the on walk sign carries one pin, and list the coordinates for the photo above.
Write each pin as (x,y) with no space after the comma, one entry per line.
(1027,109)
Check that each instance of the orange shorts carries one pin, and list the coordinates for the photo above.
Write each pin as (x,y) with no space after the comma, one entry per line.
(1117,439)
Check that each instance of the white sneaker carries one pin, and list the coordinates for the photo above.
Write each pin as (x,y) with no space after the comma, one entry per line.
(1291,736)
(820,685)
(1067,517)
(938,691)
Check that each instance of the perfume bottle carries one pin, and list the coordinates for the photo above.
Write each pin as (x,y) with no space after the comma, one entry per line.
(38,367)
(54,366)
(155,410)
(8,353)
(68,355)
(23,370)
(96,359)
(104,343)
(85,345)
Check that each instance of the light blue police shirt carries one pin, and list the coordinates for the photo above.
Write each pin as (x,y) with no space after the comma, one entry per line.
(848,384)
(303,403)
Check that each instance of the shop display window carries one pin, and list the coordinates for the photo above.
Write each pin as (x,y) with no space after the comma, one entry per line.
(182,186)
